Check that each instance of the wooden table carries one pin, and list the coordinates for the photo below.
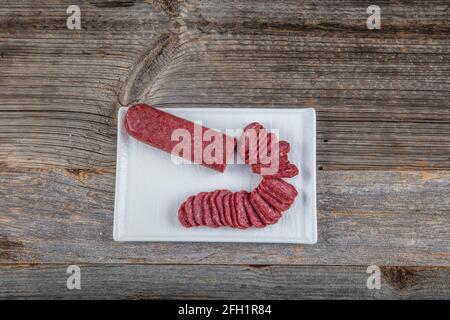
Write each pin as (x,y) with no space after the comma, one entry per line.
(383,142)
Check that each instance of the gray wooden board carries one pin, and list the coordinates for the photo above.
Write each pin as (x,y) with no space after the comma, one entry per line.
(374,91)
(222,282)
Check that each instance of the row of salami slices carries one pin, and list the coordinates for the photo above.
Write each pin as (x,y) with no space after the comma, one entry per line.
(259,208)
(265,141)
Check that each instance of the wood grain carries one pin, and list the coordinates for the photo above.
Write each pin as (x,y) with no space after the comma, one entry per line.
(375,91)
(375,217)
(222,282)
(59,87)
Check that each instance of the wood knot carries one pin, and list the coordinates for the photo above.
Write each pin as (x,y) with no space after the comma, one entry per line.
(399,277)
(8,248)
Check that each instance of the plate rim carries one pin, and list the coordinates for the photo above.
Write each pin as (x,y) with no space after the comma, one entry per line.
(116,233)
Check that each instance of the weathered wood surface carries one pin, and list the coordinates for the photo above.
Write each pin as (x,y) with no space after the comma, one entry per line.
(375,217)
(222,282)
(383,102)
(58,87)
(375,91)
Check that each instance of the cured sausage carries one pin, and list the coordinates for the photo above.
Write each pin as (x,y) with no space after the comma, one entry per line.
(258,144)
(241,214)
(156,127)
(281,188)
(273,201)
(214,211)
(266,209)
(182,217)
(188,208)
(198,208)
(252,215)
(227,210)
(207,212)
(220,206)
(259,208)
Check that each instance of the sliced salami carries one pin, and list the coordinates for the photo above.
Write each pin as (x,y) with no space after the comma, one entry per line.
(207,214)
(188,208)
(227,209)
(220,207)
(233,211)
(198,208)
(280,188)
(270,212)
(241,214)
(255,221)
(273,201)
(214,211)
(264,219)
(283,148)
(182,217)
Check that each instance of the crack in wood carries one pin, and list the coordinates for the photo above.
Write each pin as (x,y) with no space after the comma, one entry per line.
(146,69)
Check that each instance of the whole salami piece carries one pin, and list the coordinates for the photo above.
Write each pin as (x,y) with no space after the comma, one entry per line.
(156,128)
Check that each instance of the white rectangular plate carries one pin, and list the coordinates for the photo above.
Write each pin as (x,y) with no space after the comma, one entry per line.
(150,187)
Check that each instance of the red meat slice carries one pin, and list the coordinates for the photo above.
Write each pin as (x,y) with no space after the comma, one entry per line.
(198,209)
(252,215)
(283,148)
(227,209)
(264,219)
(182,217)
(188,207)
(220,206)
(233,211)
(207,214)
(266,209)
(249,139)
(273,201)
(155,127)
(280,188)
(241,214)
(214,211)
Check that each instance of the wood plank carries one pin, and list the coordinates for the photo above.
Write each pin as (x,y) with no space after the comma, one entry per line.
(59,87)
(369,217)
(382,102)
(222,282)
(292,15)
(382,97)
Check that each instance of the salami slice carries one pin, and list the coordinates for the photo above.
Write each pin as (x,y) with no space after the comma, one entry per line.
(220,207)
(250,139)
(241,214)
(214,211)
(280,188)
(259,212)
(252,215)
(233,211)
(188,208)
(182,216)
(227,209)
(266,209)
(283,148)
(198,208)
(273,201)
(207,214)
